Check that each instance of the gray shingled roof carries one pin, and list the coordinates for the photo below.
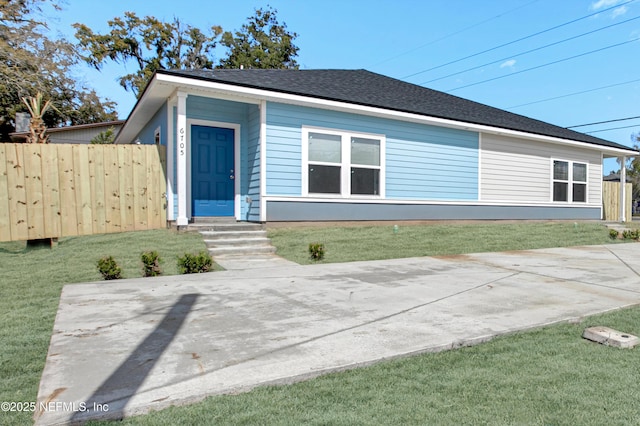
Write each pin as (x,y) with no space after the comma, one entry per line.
(363,87)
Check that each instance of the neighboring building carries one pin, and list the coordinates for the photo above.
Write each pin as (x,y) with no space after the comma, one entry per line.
(82,133)
(314,145)
(614,177)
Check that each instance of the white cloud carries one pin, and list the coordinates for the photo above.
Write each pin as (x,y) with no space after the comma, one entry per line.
(619,11)
(603,4)
(508,64)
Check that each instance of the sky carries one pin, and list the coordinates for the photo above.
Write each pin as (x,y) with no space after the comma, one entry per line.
(569,62)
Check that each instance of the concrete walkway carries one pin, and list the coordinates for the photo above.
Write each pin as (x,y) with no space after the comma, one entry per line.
(128,347)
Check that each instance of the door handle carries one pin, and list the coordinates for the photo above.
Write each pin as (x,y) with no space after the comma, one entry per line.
(232,176)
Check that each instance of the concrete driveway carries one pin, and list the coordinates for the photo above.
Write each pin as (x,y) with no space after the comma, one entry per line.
(131,346)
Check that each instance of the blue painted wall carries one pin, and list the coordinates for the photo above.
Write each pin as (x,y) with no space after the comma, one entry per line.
(251,182)
(422,162)
(147,134)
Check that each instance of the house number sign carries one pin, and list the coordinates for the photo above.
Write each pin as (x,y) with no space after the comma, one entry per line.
(181,145)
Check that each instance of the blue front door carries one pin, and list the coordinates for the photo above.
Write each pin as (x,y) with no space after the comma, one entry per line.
(212,171)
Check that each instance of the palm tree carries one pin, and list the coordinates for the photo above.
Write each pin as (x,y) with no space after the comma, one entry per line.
(37,109)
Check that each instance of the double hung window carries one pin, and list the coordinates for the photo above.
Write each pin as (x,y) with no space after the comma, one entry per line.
(569,181)
(342,163)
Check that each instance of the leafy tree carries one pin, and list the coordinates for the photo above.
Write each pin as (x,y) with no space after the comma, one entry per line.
(261,43)
(152,45)
(149,43)
(106,137)
(31,63)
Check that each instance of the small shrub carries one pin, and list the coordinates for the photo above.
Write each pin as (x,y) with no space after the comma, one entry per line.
(109,268)
(613,234)
(195,263)
(150,264)
(631,234)
(316,251)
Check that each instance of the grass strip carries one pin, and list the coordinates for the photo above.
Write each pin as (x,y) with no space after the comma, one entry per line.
(30,285)
(545,376)
(356,243)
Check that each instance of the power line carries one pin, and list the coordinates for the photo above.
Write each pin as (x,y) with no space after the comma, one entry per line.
(613,128)
(452,34)
(530,51)
(574,94)
(516,41)
(545,65)
(603,122)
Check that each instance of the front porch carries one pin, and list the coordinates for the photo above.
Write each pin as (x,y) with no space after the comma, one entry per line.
(213,159)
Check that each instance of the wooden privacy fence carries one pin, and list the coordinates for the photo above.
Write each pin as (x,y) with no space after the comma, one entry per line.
(611,201)
(59,190)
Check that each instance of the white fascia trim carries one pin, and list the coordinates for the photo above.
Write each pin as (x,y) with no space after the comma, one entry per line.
(261,94)
(199,88)
(425,202)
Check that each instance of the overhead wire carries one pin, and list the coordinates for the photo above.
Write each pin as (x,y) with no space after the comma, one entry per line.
(530,51)
(603,122)
(517,40)
(453,34)
(544,65)
(574,94)
(613,128)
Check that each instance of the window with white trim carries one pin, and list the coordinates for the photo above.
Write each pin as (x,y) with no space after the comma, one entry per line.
(342,163)
(569,181)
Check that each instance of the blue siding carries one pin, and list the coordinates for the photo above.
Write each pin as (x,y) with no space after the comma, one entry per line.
(251,181)
(202,108)
(422,162)
(147,133)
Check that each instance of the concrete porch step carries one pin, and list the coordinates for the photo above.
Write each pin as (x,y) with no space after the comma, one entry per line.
(224,227)
(238,242)
(225,237)
(219,235)
(241,250)
(213,219)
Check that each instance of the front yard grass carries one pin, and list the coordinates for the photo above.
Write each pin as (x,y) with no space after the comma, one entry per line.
(548,376)
(353,243)
(30,285)
(544,376)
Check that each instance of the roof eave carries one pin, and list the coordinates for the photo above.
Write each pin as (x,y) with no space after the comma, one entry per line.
(227,88)
(152,98)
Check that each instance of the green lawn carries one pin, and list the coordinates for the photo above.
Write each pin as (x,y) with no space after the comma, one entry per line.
(30,285)
(352,243)
(549,376)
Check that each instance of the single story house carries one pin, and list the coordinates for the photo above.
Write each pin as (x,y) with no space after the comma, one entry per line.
(80,133)
(327,145)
